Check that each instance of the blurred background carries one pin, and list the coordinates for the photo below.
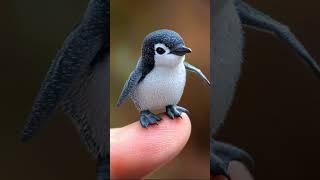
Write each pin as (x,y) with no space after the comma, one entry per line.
(31,33)
(275,115)
(131,21)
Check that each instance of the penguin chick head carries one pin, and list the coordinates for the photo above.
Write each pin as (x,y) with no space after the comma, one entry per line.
(164,48)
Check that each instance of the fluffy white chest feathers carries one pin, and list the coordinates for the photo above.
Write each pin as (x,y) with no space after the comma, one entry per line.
(163,86)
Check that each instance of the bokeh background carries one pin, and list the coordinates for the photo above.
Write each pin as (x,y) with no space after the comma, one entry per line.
(131,21)
(275,115)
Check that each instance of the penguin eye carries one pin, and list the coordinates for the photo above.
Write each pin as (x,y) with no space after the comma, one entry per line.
(160,50)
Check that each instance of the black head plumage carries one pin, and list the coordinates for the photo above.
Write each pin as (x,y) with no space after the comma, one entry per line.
(165,36)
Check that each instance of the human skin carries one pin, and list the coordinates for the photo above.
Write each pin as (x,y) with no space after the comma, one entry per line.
(136,152)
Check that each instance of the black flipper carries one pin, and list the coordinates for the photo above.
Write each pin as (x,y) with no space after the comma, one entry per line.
(196,70)
(253,18)
(78,51)
(134,78)
(222,154)
(77,82)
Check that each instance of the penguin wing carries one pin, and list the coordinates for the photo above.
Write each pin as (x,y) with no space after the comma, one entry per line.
(74,61)
(253,18)
(134,78)
(87,105)
(196,70)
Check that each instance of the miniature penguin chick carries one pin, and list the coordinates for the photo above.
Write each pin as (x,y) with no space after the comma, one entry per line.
(159,78)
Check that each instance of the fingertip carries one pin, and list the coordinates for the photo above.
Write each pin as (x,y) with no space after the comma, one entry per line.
(137,151)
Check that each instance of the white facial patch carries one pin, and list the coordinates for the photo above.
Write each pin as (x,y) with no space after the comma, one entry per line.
(165,58)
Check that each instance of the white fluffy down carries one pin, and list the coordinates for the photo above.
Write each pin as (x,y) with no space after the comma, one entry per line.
(164,85)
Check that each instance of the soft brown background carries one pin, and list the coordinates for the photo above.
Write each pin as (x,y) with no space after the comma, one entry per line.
(131,21)
(275,115)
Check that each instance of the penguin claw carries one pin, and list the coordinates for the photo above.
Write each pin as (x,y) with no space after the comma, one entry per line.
(181,109)
(170,114)
(147,118)
(175,111)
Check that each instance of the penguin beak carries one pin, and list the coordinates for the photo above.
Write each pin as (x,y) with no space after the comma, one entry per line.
(181,50)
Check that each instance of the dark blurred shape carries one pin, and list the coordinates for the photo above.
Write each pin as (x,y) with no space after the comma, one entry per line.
(62,158)
(274,115)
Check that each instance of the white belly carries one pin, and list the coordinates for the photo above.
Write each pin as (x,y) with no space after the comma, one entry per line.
(161,87)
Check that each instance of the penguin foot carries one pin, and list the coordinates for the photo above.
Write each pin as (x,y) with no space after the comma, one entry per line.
(147,118)
(175,111)
(222,154)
